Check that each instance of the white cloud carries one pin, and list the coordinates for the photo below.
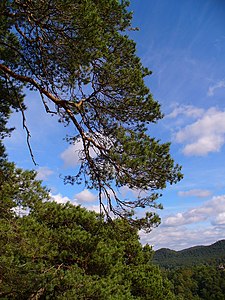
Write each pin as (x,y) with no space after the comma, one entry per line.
(61,199)
(218,85)
(195,193)
(185,218)
(186,110)
(127,192)
(209,211)
(71,156)
(220,219)
(205,135)
(85,196)
(204,146)
(95,208)
(182,237)
(77,201)
(43,173)
(186,229)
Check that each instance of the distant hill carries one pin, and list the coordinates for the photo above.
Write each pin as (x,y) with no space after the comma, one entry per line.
(213,254)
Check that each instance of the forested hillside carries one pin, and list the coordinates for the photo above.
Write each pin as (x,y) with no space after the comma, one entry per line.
(196,273)
(213,255)
(198,282)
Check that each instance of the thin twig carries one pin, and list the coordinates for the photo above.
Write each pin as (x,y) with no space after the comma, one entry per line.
(24,122)
(28,135)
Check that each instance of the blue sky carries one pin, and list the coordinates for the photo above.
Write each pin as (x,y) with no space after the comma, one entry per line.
(183,43)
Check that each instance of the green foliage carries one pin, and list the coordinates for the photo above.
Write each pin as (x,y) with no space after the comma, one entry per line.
(78,55)
(19,191)
(198,283)
(196,273)
(62,251)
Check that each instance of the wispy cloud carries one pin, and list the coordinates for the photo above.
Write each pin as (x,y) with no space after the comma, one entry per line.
(189,217)
(195,193)
(210,211)
(186,110)
(182,237)
(220,84)
(71,156)
(185,229)
(220,219)
(43,173)
(127,192)
(205,135)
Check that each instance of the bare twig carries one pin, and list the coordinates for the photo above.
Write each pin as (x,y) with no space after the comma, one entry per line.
(24,122)
(28,135)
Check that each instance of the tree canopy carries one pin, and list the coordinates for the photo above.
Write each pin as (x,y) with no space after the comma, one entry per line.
(78,56)
(62,251)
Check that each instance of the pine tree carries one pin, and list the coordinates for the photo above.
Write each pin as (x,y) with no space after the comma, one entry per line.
(78,55)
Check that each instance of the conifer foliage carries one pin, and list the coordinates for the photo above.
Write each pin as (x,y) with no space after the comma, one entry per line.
(62,251)
(78,56)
